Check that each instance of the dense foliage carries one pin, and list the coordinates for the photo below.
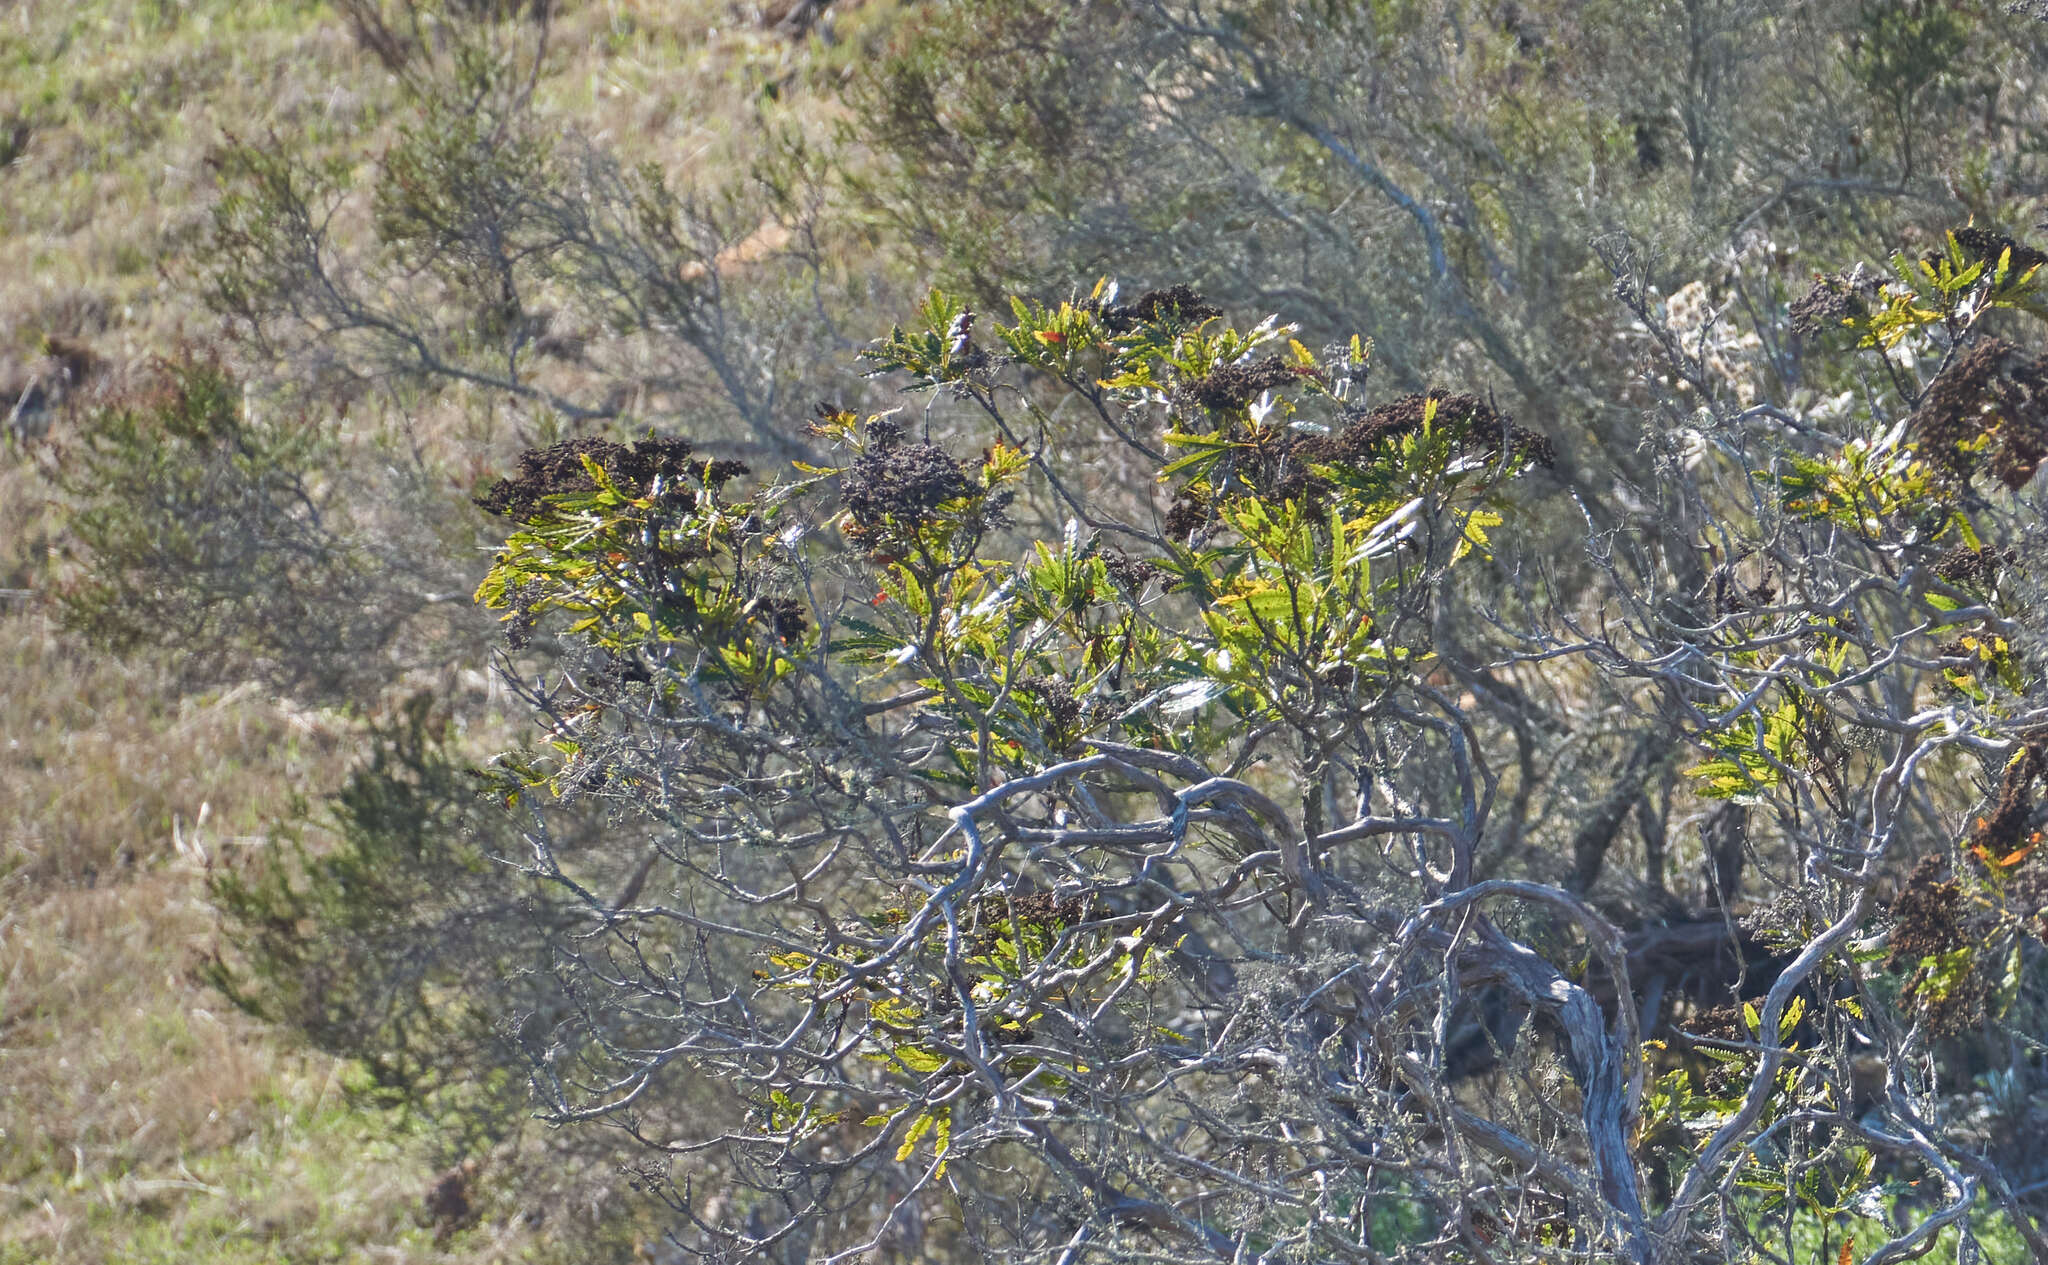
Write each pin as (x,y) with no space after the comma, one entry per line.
(1135,890)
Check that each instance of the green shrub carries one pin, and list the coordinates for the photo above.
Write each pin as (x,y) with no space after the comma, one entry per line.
(201,521)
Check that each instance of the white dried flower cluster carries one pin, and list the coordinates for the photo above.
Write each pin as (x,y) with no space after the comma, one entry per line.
(1725,352)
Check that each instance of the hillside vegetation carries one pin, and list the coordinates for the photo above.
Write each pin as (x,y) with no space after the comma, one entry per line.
(142,1117)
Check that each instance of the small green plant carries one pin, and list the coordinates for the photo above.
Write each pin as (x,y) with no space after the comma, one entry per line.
(202,520)
(390,944)
(1899,50)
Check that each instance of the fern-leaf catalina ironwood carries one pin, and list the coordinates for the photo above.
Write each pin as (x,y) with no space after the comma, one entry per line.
(1059,866)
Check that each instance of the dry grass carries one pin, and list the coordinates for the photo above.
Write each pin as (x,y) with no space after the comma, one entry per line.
(104,778)
(140,1118)
(120,101)
(143,1122)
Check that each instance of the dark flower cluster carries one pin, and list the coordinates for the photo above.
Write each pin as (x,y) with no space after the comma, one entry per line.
(1718,1023)
(1062,709)
(2011,821)
(1234,386)
(1130,574)
(1296,480)
(1284,464)
(900,481)
(1187,515)
(519,629)
(2013,828)
(1928,919)
(785,616)
(1926,915)
(1175,303)
(1486,429)
(1984,246)
(994,914)
(1964,565)
(558,470)
(1832,300)
(2026,893)
(1783,920)
(616,672)
(1731,597)
(1989,391)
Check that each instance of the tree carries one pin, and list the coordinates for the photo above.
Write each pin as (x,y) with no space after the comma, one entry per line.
(1179,884)
(386,927)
